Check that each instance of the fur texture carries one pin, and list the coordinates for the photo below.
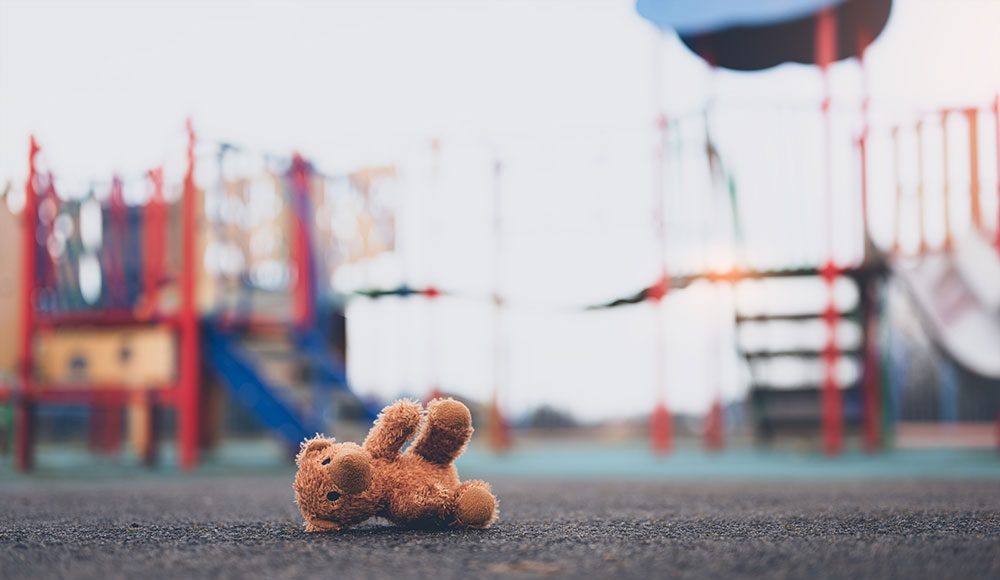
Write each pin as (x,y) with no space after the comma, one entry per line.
(339,485)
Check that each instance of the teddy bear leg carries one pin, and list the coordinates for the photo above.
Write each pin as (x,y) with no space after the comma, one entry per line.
(475,505)
(448,428)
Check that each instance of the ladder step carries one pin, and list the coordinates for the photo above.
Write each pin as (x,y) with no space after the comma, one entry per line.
(761,354)
(741,318)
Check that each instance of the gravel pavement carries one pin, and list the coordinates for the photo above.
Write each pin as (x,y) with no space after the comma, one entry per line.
(247,527)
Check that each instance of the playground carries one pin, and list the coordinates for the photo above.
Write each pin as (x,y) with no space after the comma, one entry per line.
(726,305)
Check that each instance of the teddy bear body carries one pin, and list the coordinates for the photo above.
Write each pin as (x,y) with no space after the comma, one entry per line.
(343,484)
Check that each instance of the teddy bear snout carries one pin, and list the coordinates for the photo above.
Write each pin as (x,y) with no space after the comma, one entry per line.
(351,472)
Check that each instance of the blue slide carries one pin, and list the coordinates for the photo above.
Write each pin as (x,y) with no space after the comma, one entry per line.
(234,365)
(328,370)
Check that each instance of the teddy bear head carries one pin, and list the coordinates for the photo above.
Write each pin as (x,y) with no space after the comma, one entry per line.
(333,486)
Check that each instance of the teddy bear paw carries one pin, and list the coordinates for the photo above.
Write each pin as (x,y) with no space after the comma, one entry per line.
(476,508)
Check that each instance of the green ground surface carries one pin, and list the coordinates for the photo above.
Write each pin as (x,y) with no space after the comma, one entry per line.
(561,460)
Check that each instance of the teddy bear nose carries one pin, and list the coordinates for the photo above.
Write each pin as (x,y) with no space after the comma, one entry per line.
(350,472)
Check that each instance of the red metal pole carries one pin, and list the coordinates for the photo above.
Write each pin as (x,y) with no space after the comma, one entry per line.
(863,150)
(946,190)
(864,39)
(155,244)
(714,426)
(977,212)
(189,397)
(661,421)
(109,426)
(302,298)
(500,437)
(831,404)
(24,410)
(150,452)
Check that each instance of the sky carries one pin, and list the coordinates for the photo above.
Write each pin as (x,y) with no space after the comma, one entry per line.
(564,95)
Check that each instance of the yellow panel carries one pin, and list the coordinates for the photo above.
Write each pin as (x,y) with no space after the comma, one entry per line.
(10,289)
(135,357)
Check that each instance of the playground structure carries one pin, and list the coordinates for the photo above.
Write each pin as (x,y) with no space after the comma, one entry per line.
(253,312)
(49,302)
(244,300)
(859,389)
(140,307)
(110,317)
(954,290)
(950,284)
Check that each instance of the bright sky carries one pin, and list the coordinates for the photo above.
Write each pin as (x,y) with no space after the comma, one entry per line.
(560,91)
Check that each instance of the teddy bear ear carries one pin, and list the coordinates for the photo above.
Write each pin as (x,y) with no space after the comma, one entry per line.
(313,445)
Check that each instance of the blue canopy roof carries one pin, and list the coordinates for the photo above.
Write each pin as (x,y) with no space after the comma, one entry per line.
(700,16)
(751,35)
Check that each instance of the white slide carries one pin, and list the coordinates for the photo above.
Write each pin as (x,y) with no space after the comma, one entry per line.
(958,294)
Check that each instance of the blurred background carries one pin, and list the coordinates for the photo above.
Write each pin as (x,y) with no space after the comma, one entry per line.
(721,230)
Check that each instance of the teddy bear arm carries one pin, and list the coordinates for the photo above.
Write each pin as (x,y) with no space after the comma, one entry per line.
(395,425)
(445,433)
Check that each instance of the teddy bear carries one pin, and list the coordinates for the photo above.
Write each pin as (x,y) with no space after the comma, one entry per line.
(339,485)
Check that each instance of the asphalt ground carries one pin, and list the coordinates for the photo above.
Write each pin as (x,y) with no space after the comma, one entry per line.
(248,527)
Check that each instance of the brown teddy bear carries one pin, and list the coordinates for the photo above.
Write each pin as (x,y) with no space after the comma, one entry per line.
(339,485)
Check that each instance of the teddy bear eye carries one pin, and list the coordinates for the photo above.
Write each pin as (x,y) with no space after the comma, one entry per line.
(325,461)
(333,496)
